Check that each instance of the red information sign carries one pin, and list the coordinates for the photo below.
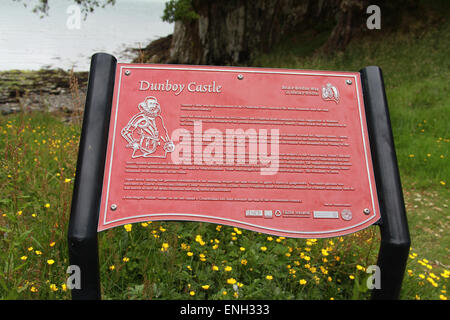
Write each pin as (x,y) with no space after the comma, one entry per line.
(284,152)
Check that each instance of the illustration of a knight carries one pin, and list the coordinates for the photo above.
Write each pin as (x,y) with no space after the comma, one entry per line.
(146,131)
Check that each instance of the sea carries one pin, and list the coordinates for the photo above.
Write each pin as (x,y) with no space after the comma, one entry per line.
(66,38)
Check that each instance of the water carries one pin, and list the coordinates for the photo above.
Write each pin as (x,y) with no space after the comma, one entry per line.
(28,42)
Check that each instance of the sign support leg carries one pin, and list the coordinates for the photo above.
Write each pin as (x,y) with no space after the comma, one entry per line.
(395,239)
(82,231)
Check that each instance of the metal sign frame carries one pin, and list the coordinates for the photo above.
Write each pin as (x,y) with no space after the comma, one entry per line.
(86,200)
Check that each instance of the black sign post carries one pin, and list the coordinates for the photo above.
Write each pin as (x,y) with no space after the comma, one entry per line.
(82,232)
(395,240)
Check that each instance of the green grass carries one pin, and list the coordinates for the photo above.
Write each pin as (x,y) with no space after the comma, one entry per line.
(174,260)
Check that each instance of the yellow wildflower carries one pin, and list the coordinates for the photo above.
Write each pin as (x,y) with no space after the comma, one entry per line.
(302,281)
(23,258)
(269,277)
(192,293)
(53,287)
(205,287)
(263,248)
(50,261)
(128,227)
(231,281)
(228,268)
(237,231)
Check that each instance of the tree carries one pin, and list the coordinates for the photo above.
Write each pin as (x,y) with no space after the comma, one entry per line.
(42,6)
(233,31)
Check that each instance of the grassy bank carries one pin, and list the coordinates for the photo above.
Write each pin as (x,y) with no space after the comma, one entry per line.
(169,260)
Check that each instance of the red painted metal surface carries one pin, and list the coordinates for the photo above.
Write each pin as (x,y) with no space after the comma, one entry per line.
(277,151)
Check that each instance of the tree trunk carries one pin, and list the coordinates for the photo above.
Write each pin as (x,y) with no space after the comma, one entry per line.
(350,19)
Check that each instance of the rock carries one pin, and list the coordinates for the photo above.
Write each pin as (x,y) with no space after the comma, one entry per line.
(43,90)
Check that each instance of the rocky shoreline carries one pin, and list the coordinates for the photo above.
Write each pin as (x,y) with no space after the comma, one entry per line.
(43,90)
(57,90)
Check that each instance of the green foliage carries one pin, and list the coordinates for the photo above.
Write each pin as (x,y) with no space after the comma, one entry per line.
(42,6)
(179,10)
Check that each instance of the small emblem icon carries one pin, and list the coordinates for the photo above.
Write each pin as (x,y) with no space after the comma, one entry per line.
(346,215)
(330,93)
(146,130)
